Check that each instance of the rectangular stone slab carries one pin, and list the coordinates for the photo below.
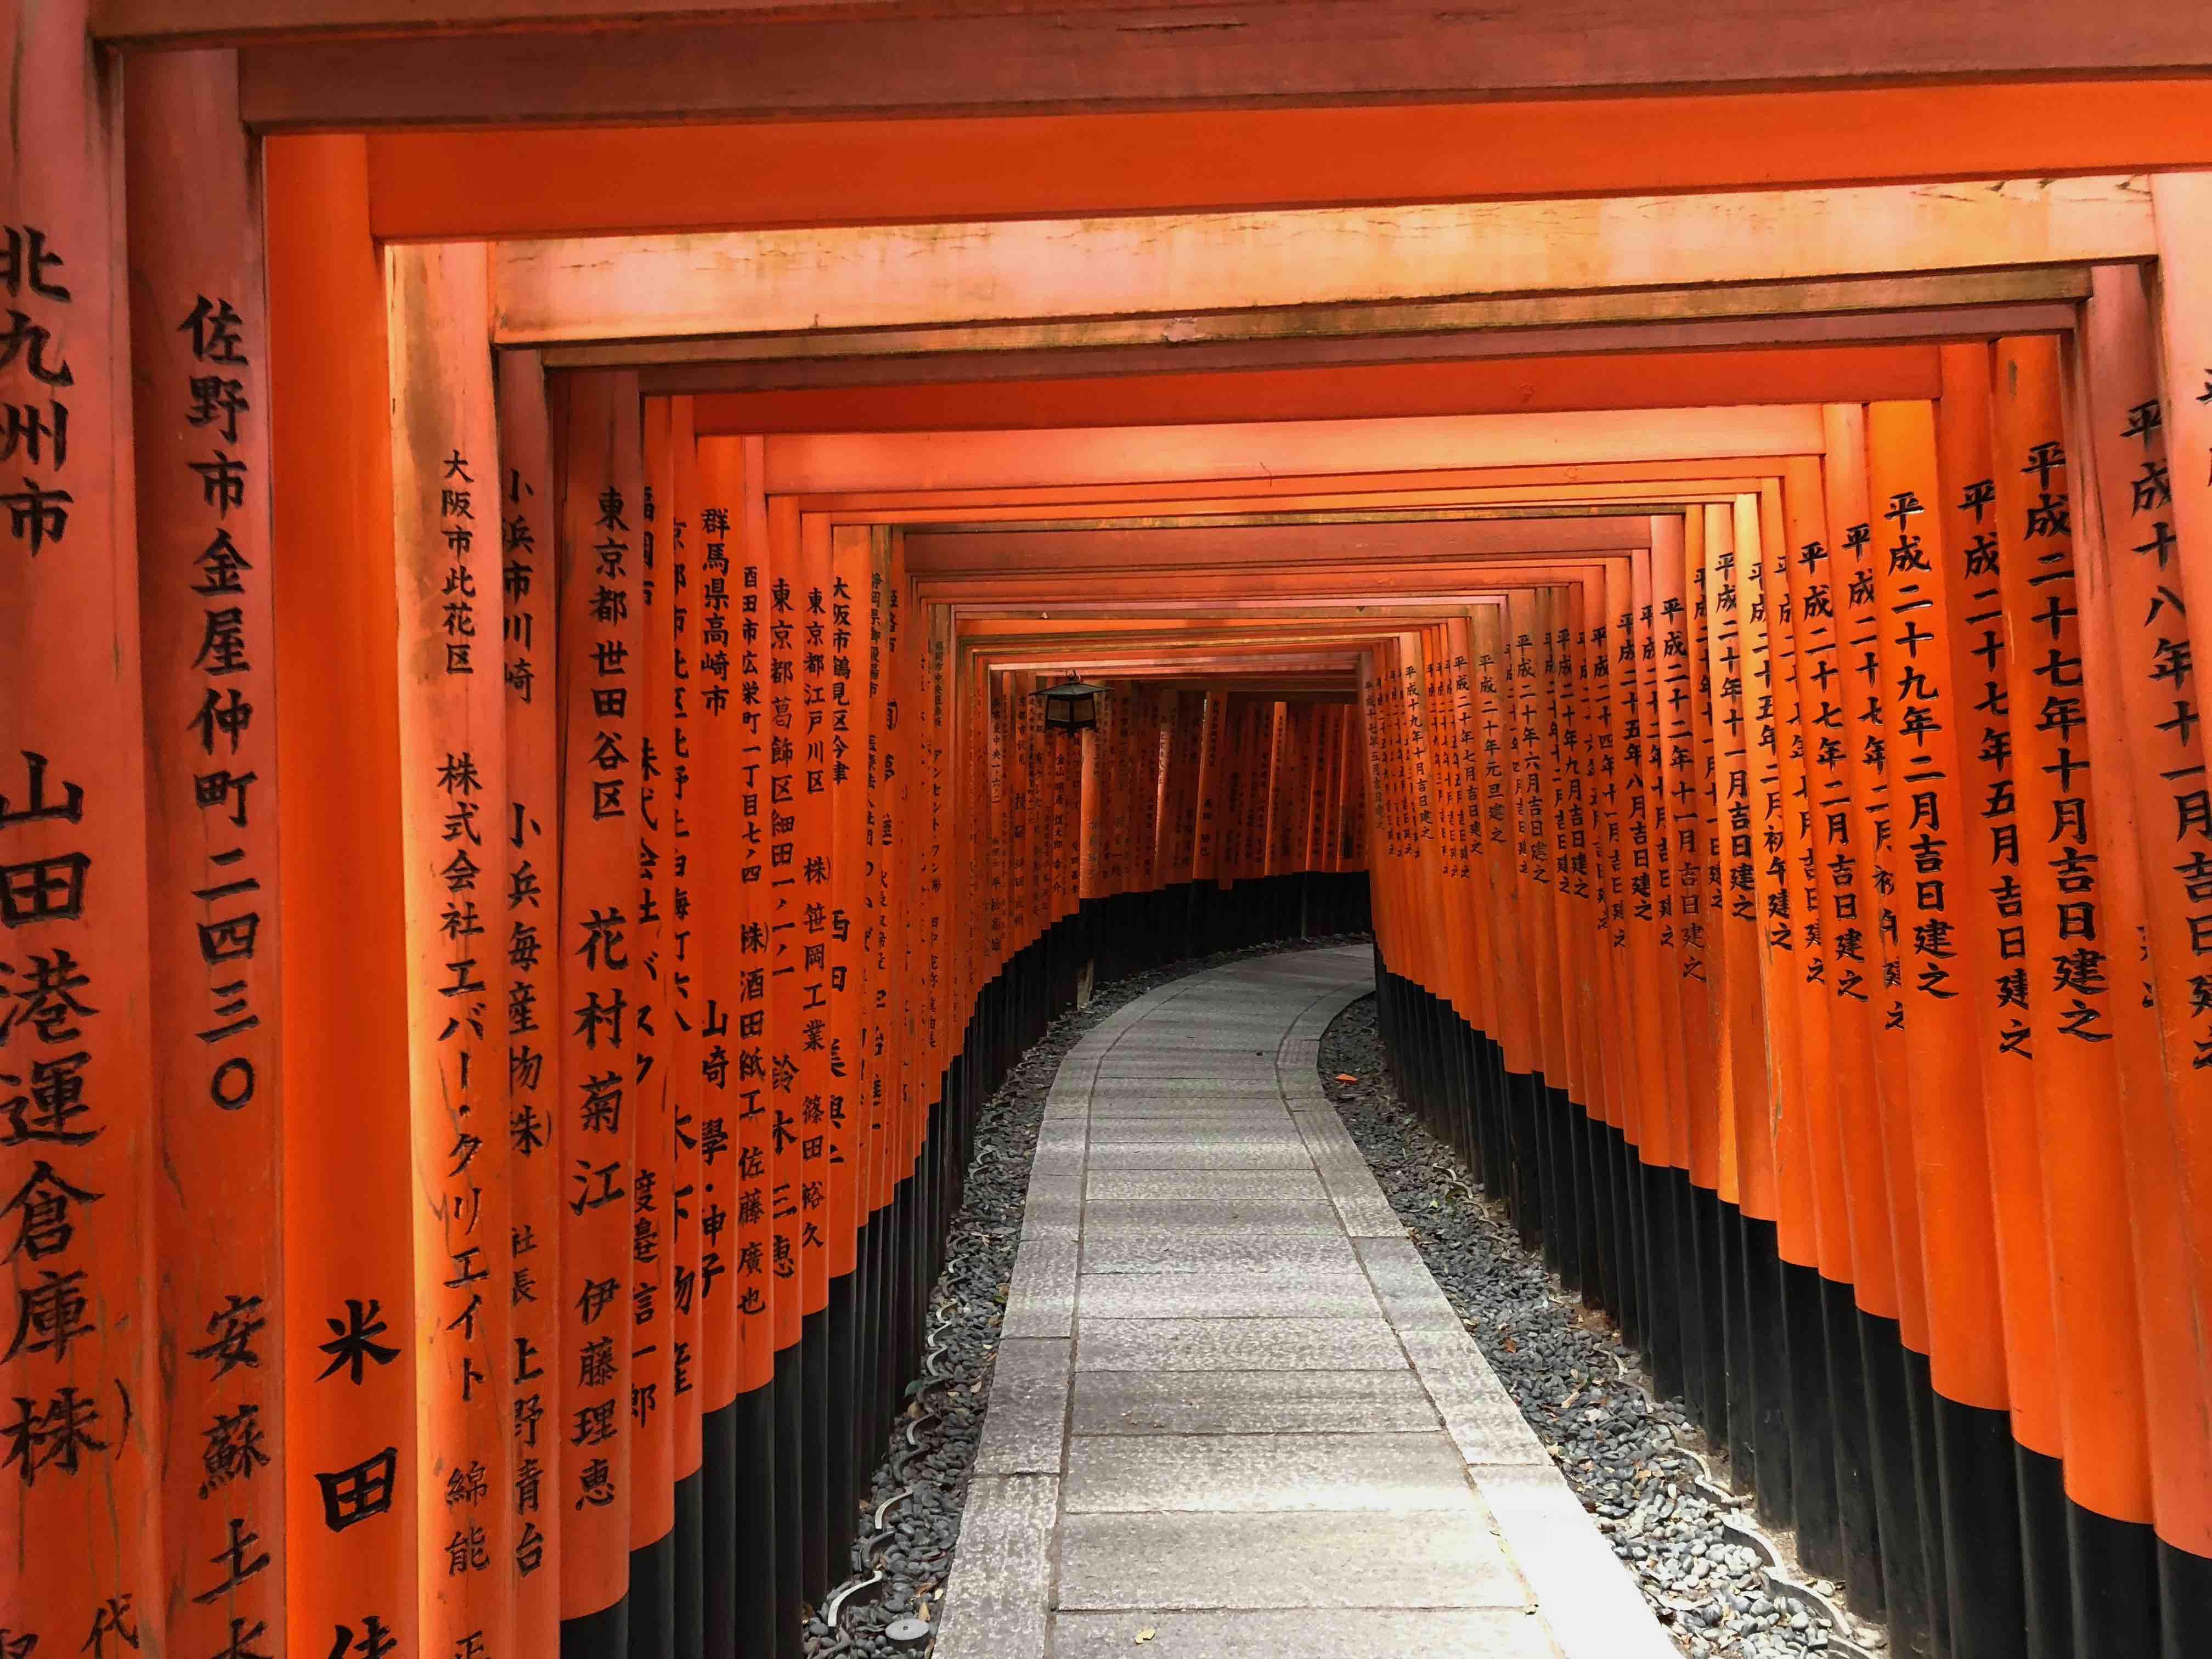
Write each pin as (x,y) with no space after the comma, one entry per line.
(1412,1299)
(1227,1296)
(1143,1251)
(1304,1633)
(1202,1184)
(1205,1113)
(1201,1561)
(1134,1057)
(997,1598)
(1053,1208)
(1024,1429)
(1255,1030)
(1108,1090)
(1195,1109)
(1478,1411)
(1254,1473)
(1365,1213)
(1188,1218)
(1041,1296)
(1268,1129)
(1206,1069)
(1251,1402)
(1198,1155)
(1587,1595)
(1238,1345)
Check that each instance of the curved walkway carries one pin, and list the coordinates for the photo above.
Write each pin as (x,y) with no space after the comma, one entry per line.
(1232,1414)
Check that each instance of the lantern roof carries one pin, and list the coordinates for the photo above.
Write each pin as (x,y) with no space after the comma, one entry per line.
(1071,687)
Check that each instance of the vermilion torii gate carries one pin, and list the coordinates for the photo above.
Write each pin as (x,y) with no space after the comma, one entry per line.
(523,836)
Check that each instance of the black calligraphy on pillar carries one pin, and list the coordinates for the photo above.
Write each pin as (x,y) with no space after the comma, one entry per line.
(48,1029)
(2049,636)
(457,528)
(1990,719)
(2159,654)
(219,395)
(1915,682)
(684,1115)
(602,956)
(34,443)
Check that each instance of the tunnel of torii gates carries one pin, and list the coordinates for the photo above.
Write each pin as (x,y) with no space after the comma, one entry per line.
(525,832)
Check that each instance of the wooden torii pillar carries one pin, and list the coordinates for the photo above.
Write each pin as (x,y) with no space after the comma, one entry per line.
(82,1427)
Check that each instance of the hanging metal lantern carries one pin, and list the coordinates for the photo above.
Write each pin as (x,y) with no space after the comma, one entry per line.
(1073,705)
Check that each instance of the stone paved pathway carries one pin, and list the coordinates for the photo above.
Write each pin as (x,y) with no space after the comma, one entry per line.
(1232,1414)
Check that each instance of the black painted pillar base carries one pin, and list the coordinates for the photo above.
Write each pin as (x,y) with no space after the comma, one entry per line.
(2185,1596)
(1709,1220)
(601,1635)
(1980,1495)
(690,1622)
(814,1457)
(653,1600)
(1892,1373)
(762,1631)
(788,1390)
(1742,1440)
(1767,1339)
(1812,1424)
(1662,1335)
(1693,1320)
(2113,1581)
(845,1416)
(1857,1528)
(2040,1486)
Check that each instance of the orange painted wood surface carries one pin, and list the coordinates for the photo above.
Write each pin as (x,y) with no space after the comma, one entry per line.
(201,417)
(351,1493)
(652,1405)
(676,567)
(528,932)
(452,759)
(1656,379)
(600,462)
(1913,616)
(716,176)
(2132,641)
(80,1522)
(2071,925)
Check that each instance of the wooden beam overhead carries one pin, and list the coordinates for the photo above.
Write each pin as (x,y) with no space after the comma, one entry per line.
(932,551)
(1819,374)
(1354,586)
(775,57)
(1315,687)
(1568,524)
(1414,602)
(683,369)
(1380,589)
(846,462)
(231,22)
(1660,42)
(577,291)
(1543,491)
(1534,324)
(458,182)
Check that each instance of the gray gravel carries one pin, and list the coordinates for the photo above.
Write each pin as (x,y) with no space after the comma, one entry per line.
(965,1311)
(1634,1462)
